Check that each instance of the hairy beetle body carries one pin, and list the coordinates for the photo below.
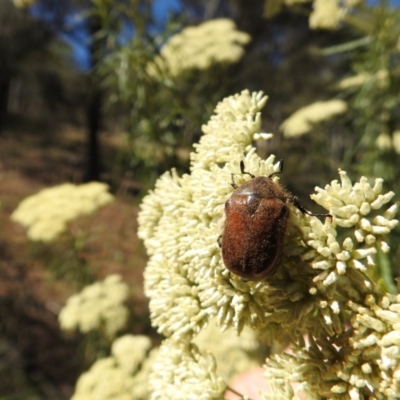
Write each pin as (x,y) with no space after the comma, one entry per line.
(256,216)
(254,231)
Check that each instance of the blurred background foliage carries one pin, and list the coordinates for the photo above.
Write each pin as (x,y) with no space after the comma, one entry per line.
(86,93)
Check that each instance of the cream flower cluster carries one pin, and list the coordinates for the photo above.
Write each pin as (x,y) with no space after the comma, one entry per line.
(350,354)
(97,306)
(122,376)
(198,47)
(45,214)
(234,354)
(326,14)
(180,371)
(381,79)
(354,206)
(180,223)
(385,141)
(363,362)
(304,119)
(310,295)
(376,342)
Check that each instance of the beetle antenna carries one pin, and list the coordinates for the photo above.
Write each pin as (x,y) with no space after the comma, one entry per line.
(243,171)
(280,165)
(295,201)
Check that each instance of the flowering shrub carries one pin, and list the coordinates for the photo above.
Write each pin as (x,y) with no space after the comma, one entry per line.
(304,119)
(325,14)
(100,305)
(198,47)
(121,376)
(45,214)
(343,327)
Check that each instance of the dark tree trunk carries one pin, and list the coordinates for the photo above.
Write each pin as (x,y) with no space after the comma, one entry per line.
(4,93)
(93,118)
(94,104)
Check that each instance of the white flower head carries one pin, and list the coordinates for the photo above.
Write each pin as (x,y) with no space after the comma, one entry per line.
(234,354)
(363,362)
(305,118)
(180,223)
(359,206)
(328,14)
(45,214)
(310,294)
(396,141)
(99,305)
(181,371)
(381,79)
(130,351)
(122,376)
(198,47)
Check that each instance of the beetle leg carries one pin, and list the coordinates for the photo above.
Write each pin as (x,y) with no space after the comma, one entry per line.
(295,201)
(219,241)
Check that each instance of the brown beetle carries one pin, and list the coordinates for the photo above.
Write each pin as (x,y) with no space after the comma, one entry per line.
(256,216)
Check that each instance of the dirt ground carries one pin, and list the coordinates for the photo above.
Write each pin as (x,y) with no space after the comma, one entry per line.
(37,360)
